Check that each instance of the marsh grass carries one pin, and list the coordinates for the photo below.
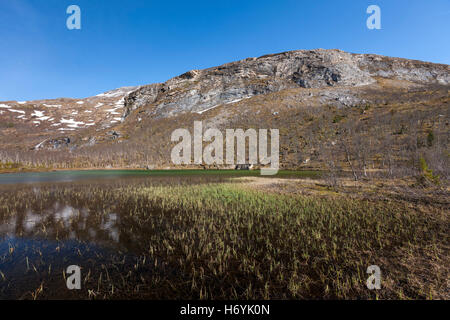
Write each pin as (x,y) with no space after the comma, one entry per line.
(212,238)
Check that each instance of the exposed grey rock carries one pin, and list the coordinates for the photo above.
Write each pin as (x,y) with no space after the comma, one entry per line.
(119,92)
(142,96)
(114,134)
(59,142)
(404,69)
(92,141)
(200,90)
(340,98)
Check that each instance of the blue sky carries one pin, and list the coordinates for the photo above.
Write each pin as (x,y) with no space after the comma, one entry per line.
(134,42)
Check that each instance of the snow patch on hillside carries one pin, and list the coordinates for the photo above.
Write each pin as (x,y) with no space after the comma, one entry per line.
(110,94)
(72,123)
(37,113)
(18,111)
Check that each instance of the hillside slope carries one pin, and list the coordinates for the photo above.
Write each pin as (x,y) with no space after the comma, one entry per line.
(334,110)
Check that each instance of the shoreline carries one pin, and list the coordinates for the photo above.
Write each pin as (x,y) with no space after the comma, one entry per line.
(38,170)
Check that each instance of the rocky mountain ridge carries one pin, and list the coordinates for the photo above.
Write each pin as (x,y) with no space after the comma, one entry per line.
(200,90)
(288,90)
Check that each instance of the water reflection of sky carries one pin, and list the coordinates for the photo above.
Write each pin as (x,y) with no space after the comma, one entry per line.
(66,176)
(45,227)
(63,222)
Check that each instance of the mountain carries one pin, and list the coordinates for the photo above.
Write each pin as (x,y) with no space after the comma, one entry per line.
(200,90)
(323,101)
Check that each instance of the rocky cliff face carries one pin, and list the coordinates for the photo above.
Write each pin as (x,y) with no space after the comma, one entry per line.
(200,90)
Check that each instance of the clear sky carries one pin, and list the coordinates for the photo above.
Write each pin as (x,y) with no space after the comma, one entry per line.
(134,42)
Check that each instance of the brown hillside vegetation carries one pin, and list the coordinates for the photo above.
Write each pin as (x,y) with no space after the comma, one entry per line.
(363,114)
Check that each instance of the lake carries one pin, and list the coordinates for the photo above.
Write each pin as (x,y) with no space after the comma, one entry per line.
(67,176)
(133,233)
(51,220)
(200,234)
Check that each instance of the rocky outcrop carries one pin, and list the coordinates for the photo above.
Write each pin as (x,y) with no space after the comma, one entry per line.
(200,90)
(59,142)
(404,69)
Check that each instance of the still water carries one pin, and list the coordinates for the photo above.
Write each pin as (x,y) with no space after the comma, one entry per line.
(70,176)
(97,220)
